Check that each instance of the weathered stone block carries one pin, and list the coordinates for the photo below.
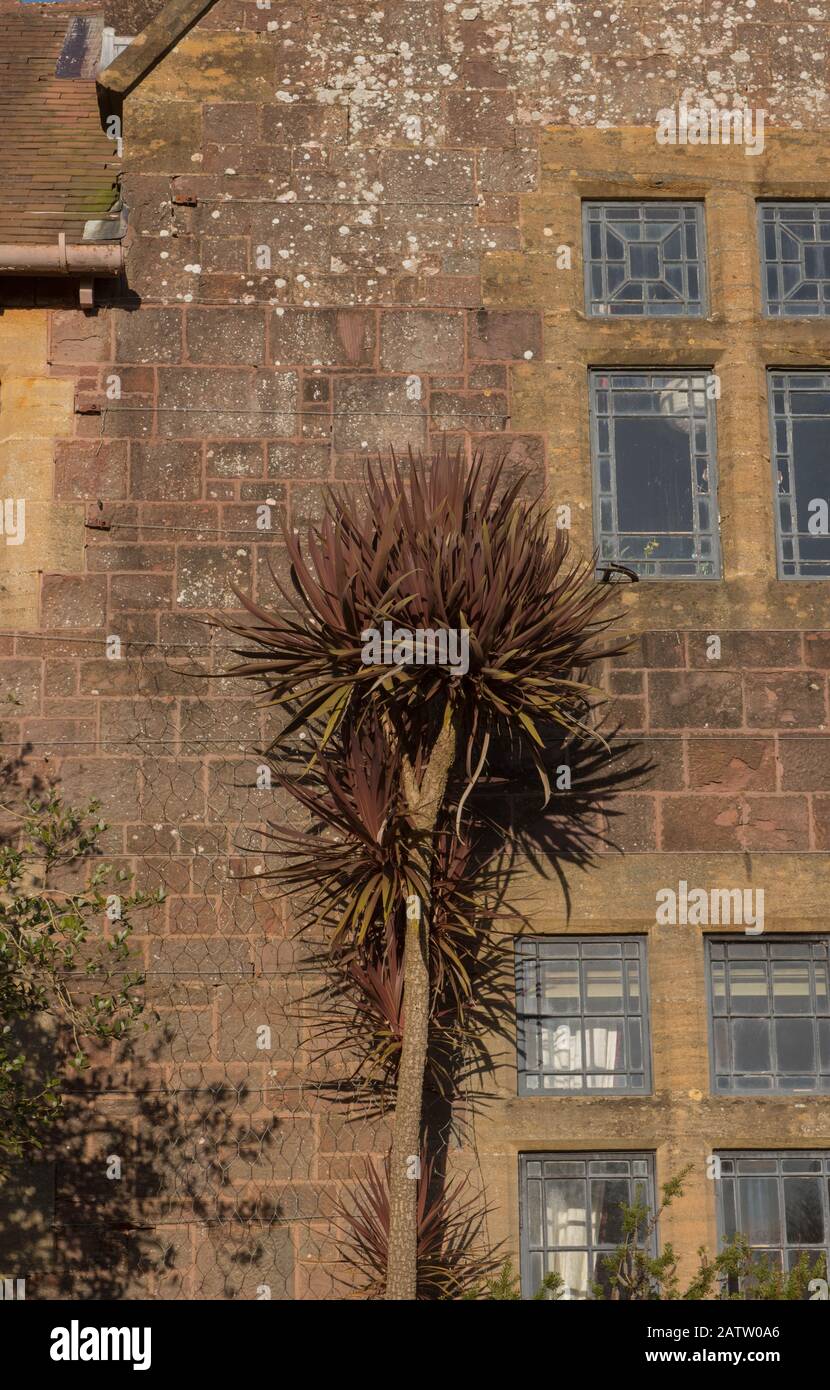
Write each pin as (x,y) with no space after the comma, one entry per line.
(322,337)
(374,412)
(805,763)
(234,460)
(794,700)
(77,338)
(87,470)
(480,118)
(731,764)
(468,410)
(148,335)
(439,177)
(206,572)
(162,136)
(419,341)
(498,335)
(704,699)
(199,401)
(165,471)
(232,336)
(74,600)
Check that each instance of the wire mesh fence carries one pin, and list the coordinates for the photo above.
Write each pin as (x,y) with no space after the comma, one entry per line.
(205,1157)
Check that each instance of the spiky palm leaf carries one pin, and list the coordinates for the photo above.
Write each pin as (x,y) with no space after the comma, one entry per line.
(452,1258)
(445,548)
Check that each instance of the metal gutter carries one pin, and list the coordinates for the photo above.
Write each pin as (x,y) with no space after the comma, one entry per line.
(86,261)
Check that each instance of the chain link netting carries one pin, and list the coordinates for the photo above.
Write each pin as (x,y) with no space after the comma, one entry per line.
(205,1158)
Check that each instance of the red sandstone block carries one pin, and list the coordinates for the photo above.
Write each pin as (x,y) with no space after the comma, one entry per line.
(435,177)
(98,676)
(59,737)
(305,122)
(731,764)
(255,521)
(414,340)
(299,461)
(20,684)
(307,504)
(71,600)
(322,337)
(740,650)
(223,254)
(115,557)
(725,823)
(662,650)
(172,790)
(87,471)
(205,573)
(246,160)
(496,209)
(374,412)
(508,171)
(817,650)
(656,764)
(776,823)
(785,701)
(480,118)
(237,459)
(165,470)
(630,823)
(626,682)
(60,679)
(468,410)
(260,490)
(148,335)
(623,713)
(232,337)
(140,591)
(805,763)
(156,270)
(79,338)
(113,781)
(232,122)
(487,376)
(496,335)
(243,403)
(694,699)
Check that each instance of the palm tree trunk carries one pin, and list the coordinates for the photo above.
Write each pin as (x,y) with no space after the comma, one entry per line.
(424,803)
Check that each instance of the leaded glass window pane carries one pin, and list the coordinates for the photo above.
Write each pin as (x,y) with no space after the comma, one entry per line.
(800,448)
(781,1203)
(572,1214)
(770,1019)
(644,259)
(582,1021)
(655,477)
(795,259)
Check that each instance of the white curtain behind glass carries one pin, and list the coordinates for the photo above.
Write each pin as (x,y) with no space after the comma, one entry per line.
(567,1219)
(562,1051)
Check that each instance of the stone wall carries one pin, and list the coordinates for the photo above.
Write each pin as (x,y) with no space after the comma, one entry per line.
(343,226)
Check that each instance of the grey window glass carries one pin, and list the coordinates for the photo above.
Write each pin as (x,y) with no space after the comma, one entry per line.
(571,1214)
(644,259)
(770,1014)
(779,1201)
(655,476)
(581,1015)
(795,258)
(800,434)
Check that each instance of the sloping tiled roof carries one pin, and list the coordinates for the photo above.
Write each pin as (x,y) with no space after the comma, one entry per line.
(58,168)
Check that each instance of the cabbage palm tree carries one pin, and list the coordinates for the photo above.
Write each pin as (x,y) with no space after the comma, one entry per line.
(397,741)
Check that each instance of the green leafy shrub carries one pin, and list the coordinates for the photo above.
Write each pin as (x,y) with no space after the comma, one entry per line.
(67,980)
